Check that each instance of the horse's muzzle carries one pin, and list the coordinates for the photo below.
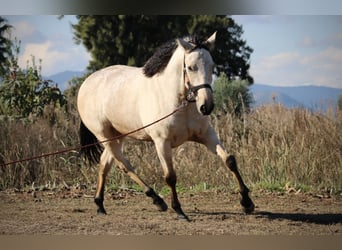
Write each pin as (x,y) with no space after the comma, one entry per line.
(208,105)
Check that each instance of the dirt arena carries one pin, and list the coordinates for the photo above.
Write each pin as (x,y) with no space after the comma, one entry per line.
(72,212)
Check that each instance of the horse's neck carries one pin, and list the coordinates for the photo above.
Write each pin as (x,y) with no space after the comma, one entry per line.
(172,79)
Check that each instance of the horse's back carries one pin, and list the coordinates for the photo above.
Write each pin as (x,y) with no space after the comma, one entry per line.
(110,77)
(107,99)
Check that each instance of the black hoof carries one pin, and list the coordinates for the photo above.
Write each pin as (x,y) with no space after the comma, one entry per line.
(183,217)
(99,203)
(248,210)
(101,211)
(160,203)
(247,204)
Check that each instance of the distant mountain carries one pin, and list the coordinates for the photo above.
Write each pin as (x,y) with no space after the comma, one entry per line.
(310,97)
(62,79)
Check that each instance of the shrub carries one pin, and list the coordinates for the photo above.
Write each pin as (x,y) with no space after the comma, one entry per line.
(232,96)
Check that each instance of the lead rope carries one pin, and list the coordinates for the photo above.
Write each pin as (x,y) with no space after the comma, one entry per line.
(182,105)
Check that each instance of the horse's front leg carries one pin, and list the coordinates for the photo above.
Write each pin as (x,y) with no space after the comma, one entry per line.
(164,151)
(214,145)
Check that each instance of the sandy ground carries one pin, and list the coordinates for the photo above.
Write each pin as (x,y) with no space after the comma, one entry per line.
(72,212)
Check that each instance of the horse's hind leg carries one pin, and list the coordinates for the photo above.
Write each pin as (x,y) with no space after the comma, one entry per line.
(106,162)
(214,145)
(126,167)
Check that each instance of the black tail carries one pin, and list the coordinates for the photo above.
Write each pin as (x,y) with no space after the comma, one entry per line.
(92,152)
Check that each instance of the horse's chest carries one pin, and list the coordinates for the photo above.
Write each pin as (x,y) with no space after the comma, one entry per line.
(191,130)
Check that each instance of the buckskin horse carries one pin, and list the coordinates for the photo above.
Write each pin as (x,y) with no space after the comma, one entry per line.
(119,99)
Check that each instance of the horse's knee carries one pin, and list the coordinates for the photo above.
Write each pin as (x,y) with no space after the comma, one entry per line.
(231,163)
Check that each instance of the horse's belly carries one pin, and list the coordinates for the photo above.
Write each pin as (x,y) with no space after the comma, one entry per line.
(140,135)
(135,131)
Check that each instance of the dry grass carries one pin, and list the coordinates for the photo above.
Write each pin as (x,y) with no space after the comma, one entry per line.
(276,148)
(293,147)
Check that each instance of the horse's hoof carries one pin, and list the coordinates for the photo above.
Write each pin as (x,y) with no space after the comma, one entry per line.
(99,202)
(249,209)
(160,204)
(101,211)
(157,200)
(162,207)
(183,217)
(247,203)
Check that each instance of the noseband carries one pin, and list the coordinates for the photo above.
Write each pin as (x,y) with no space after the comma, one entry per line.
(192,91)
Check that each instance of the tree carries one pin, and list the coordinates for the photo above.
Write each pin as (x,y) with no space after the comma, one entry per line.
(5,45)
(231,53)
(25,92)
(132,39)
(232,96)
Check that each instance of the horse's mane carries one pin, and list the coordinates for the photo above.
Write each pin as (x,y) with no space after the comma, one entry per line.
(161,57)
(159,60)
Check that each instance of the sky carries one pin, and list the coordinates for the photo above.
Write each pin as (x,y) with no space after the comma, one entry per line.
(51,40)
(294,50)
(289,50)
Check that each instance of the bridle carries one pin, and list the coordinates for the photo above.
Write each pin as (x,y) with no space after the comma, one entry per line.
(192,91)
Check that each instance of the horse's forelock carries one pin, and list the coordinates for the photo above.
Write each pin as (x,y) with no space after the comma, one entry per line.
(198,44)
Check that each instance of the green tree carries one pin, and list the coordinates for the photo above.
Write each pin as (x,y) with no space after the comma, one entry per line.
(132,39)
(5,45)
(25,92)
(232,96)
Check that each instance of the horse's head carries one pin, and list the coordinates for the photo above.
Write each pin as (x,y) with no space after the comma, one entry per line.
(198,71)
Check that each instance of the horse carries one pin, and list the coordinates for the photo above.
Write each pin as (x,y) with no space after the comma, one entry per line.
(119,99)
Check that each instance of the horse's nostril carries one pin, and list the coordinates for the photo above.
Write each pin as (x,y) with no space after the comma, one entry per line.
(204,110)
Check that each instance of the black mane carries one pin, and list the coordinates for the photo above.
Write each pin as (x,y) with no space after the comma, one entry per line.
(159,60)
(161,57)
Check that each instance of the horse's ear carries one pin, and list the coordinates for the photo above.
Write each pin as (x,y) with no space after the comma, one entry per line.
(210,43)
(187,46)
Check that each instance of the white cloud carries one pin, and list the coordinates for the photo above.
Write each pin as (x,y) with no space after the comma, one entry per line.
(48,39)
(331,54)
(332,40)
(296,68)
(26,32)
(279,60)
(54,59)
(50,58)
(23,29)
(306,42)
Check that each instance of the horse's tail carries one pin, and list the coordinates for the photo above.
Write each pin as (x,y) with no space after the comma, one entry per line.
(91,150)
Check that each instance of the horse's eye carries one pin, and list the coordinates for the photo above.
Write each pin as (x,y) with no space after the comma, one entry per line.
(192,68)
